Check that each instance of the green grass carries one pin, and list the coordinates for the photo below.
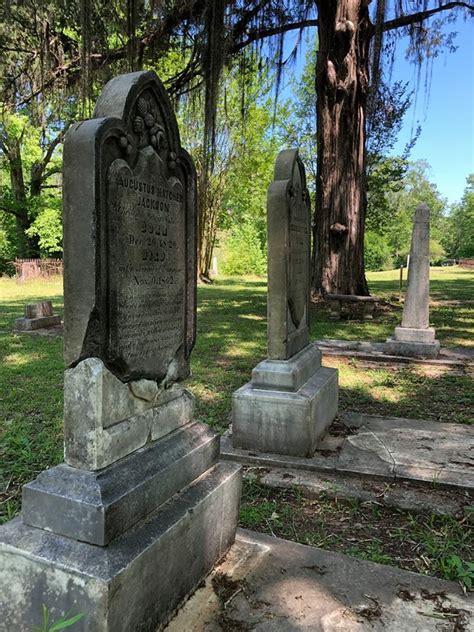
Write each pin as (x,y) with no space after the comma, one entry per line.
(231,340)
(451,309)
(423,542)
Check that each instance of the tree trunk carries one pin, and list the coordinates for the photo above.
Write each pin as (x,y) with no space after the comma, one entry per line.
(17,181)
(342,79)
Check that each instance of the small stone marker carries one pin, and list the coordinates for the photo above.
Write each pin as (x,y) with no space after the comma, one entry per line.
(37,316)
(141,509)
(415,337)
(291,399)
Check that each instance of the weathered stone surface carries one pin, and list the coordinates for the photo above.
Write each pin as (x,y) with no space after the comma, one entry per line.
(105,419)
(289,260)
(291,400)
(416,307)
(37,316)
(282,586)
(96,507)
(136,582)
(130,235)
(406,496)
(140,478)
(409,334)
(287,375)
(283,422)
(39,310)
(387,448)
(30,324)
(415,337)
(411,349)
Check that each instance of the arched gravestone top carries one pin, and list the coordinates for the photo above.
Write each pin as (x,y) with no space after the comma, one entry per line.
(130,235)
(289,260)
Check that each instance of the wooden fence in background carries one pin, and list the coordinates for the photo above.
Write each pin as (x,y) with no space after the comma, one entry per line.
(37,268)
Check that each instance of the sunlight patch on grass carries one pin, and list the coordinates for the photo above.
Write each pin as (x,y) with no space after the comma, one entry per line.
(20,359)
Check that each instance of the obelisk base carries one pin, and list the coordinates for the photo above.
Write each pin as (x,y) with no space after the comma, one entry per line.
(411,342)
(137,581)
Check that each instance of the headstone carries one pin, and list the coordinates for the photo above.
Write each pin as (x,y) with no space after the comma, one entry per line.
(37,316)
(415,337)
(141,509)
(291,399)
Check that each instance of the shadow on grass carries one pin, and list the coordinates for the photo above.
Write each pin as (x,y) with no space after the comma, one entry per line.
(31,412)
(407,393)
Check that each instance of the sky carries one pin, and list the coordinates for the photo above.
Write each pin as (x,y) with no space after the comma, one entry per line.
(446,117)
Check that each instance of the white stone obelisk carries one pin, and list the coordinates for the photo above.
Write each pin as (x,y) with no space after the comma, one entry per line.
(415,337)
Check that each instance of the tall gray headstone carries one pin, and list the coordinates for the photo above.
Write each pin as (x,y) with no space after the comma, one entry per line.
(141,509)
(291,399)
(415,337)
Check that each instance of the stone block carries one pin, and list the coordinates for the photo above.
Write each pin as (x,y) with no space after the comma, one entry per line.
(287,375)
(411,334)
(106,419)
(39,310)
(284,422)
(412,349)
(135,583)
(30,324)
(96,507)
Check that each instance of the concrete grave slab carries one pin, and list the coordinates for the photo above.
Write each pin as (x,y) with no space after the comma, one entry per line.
(378,353)
(385,448)
(267,584)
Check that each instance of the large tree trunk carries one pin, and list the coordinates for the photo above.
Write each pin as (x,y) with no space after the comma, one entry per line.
(342,79)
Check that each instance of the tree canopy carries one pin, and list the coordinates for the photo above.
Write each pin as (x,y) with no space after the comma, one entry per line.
(57,54)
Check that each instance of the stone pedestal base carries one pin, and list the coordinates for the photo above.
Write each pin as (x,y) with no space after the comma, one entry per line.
(96,507)
(137,581)
(30,324)
(412,342)
(287,406)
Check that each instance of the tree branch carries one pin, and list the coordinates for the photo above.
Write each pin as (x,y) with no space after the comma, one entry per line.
(277,30)
(407,20)
(52,146)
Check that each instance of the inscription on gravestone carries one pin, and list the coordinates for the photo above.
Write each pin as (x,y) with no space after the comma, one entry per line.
(147,266)
(137,314)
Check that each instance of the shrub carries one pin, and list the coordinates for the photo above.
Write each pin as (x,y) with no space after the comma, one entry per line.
(243,251)
(377,252)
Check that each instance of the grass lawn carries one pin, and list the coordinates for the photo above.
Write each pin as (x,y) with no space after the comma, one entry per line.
(231,340)
(421,542)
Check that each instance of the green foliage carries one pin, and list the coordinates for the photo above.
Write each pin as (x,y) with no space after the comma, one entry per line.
(377,252)
(47,225)
(243,251)
(391,207)
(453,567)
(66,621)
(458,239)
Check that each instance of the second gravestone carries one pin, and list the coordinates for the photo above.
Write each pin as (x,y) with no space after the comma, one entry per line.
(291,399)
(141,509)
